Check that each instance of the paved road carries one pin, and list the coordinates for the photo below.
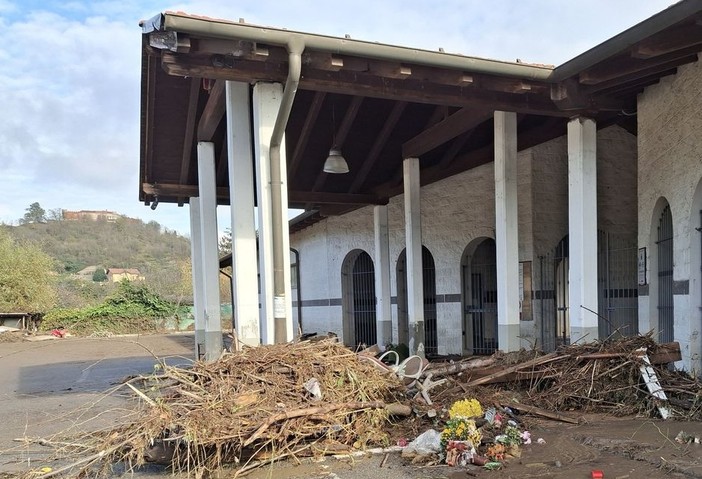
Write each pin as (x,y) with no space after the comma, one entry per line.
(57,385)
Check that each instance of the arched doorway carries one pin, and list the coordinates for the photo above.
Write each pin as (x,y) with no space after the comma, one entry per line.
(479,287)
(664,249)
(695,285)
(358,293)
(429,294)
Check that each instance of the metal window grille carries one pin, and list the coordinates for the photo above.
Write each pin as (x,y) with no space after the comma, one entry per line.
(482,302)
(665,276)
(429,287)
(364,314)
(617,272)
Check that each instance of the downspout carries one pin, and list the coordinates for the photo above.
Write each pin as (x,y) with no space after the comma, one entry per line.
(295,48)
(299,289)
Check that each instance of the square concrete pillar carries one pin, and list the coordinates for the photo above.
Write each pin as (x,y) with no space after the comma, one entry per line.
(241,193)
(206,172)
(383,311)
(507,231)
(582,229)
(413,239)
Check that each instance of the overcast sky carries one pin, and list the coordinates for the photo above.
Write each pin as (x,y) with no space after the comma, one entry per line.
(69,76)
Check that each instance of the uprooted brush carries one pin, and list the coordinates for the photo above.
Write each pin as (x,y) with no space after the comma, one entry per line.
(249,408)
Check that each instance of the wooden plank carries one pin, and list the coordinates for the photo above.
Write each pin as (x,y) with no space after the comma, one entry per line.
(654,387)
(540,412)
(547,358)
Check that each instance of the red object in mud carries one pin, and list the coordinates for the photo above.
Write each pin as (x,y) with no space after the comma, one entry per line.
(59,333)
(597,474)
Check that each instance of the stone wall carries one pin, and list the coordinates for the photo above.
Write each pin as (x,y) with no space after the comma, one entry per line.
(669,170)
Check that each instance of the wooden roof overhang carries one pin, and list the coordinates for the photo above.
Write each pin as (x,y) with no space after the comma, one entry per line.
(381,103)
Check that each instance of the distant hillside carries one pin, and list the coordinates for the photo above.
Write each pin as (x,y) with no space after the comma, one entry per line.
(124,243)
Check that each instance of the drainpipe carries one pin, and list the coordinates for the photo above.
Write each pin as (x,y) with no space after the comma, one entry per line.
(295,48)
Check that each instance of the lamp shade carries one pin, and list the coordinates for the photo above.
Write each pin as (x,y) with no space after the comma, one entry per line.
(335,163)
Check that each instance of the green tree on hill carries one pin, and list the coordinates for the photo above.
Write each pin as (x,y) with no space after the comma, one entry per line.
(26,283)
(100,275)
(34,214)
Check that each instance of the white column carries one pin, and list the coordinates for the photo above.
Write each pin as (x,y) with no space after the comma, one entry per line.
(582,229)
(266,102)
(210,260)
(383,311)
(413,240)
(507,231)
(241,194)
(198,287)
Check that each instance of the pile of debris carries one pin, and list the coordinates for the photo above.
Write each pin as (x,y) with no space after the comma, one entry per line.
(625,376)
(251,407)
(312,398)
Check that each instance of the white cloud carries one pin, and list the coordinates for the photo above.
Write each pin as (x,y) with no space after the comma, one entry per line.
(69,75)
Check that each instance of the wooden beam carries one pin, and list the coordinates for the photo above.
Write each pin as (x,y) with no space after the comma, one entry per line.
(380,141)
(213,113)
(324,198)
(172,189)
(645,75)
(624,66)
(669,41)
(189,133)
(456,145)
(310,120)
(363,84)
(461,121)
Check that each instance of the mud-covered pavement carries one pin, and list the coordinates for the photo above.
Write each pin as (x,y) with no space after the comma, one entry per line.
(59,385)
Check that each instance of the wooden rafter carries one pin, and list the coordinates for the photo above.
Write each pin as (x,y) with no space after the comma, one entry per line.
(669,41)
(189,132)
(307,128)
(626,66)
(461,121)
(378,145)
(213,113)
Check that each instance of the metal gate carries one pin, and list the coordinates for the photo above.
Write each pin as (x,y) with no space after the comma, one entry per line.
(617,291)
(363,287)
(617,288)
(429,287)
(665,276)
(429,301)
(480,280)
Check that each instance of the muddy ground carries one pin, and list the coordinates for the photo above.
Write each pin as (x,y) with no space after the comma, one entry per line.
(59,385)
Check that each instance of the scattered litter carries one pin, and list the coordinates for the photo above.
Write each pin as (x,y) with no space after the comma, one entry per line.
(685,438)
(429,442)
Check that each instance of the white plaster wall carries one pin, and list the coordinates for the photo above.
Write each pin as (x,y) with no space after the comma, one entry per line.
(670,166)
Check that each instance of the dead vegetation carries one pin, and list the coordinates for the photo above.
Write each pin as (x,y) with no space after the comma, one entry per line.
(250,407)
(314,398)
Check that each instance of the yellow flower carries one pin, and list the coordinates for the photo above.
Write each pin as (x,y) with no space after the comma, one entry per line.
(466,408)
